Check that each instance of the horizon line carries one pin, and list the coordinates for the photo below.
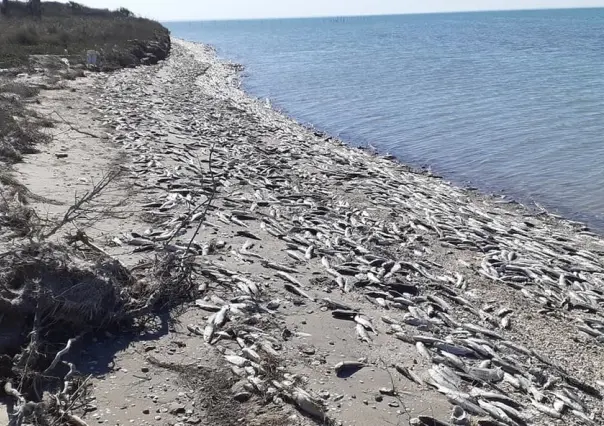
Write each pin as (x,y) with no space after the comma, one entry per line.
(368,15)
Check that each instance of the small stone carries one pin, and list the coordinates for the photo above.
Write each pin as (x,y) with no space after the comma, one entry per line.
(176,408)
(242,396)
(273,304)
(379,398)
(145,369)
(308,350)
(387,391)
(394,404)
(146,411)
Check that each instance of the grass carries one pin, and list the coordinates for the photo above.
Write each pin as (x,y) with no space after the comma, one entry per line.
(19,130)
(71,30)
(23,90)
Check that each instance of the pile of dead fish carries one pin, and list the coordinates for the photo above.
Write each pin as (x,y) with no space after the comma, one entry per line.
(372,226)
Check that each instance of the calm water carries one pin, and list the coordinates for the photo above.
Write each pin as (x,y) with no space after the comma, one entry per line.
(505,101)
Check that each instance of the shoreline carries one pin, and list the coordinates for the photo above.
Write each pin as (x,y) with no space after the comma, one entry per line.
(533,206)
(305,253)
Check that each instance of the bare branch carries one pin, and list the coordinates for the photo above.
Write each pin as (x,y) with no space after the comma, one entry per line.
(77,210)
(208,202)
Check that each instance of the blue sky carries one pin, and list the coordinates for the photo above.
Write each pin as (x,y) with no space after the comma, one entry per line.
(249,9)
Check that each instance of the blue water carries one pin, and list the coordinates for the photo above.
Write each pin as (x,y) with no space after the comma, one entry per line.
(508,102)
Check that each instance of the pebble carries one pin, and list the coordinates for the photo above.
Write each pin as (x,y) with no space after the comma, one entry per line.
(176,408)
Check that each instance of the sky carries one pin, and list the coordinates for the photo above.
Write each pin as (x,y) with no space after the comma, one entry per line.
(174,10)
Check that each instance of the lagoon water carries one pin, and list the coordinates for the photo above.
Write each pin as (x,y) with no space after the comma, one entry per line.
(508,102)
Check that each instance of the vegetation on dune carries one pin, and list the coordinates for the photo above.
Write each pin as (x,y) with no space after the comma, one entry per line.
(71,29)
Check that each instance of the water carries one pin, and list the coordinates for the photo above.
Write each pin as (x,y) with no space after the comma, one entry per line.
(505,101)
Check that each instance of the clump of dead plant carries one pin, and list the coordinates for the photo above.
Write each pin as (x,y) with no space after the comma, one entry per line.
(19,132)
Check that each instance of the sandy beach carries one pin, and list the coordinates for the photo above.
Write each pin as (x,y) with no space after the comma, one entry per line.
(332,285)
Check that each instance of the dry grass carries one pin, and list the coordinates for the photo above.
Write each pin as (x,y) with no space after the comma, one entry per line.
(15,217)
(212,387)
(19,131)
(122,39)
(23,90)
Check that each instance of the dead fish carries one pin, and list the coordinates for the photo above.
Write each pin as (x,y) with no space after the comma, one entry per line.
(441,378)
(365,323)
(427,421)
(389,320)
(495,412)
(505,322)
(454,349)
(372,278)
(251,354)
(584,417)
(516,347)
(236,360)
(277,266)
(309,253)
(494,396)
(409,374)
(503,312)
(362,334)
(206,306)
(325,263)
(251,286)
(195,329)
(247,234)
(478,329)
(417,322)
(466,404)
(289,278)
(490,375)
(140,242)
(547,410)
(221,316)
(454,360)
(295,255)
(514,414)
(421,349)
(308,405)
(444,306)
(208,332)
(297,291)
(335,305)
